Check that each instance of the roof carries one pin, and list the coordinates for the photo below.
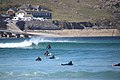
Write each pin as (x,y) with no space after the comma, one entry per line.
(12,9)
(21,11)
(23,6)
(38,12)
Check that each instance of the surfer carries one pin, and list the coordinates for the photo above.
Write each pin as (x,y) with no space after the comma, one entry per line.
(48,47)
(118,64)
(38,59)
(70,63)
(46,53)
(53,57)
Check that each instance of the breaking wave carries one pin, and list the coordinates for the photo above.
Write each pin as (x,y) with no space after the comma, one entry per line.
(14,45)
(35,41)
(28,43)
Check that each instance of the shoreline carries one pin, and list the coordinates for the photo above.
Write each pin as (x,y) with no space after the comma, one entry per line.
(69,33)
(76,33)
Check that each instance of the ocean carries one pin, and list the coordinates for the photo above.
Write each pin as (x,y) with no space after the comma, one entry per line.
(92,58)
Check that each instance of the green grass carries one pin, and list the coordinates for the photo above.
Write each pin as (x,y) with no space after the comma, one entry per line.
(70,10)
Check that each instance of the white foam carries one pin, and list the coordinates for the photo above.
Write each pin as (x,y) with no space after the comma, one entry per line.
(37,40)
(15,45)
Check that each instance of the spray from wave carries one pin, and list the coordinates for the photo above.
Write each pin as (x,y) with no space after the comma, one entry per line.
(15,45)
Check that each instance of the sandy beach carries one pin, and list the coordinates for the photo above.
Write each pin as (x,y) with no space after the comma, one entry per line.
(76,33)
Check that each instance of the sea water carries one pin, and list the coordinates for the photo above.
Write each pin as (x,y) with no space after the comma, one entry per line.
(92,58)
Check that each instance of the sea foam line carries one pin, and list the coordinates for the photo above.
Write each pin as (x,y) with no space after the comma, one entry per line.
(15,45)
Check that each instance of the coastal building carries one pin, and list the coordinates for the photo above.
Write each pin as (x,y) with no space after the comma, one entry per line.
(20,14)
(28,17)
(41,14)
(30,12)
(11,11)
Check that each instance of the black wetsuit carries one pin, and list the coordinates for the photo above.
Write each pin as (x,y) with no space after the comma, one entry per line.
(49,46)
(38,59)
(116,64)
(46,53)
(53,57)
(70,63)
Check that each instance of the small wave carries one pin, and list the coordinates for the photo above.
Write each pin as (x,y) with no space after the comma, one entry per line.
(65,74)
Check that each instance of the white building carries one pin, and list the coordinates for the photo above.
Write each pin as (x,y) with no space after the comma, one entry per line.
(15,18)
(20,14)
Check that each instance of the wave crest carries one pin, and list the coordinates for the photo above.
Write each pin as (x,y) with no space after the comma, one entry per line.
(30,42)
(15,45)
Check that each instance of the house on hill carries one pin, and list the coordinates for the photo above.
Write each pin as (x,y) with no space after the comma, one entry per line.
(20,14)
(30,12)
(34,14)
(41,14)
(11,11)
(28,17)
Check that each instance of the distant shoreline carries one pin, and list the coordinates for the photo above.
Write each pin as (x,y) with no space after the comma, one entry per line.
(76,33)
(68,33)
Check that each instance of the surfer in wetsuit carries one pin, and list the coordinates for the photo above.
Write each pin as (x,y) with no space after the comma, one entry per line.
(38,59)
(116,64)
(70,63)
(53,57)
(48,47)
(46,53)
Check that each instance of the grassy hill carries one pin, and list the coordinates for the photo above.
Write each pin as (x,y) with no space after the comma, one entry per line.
(72,10)
(69,10)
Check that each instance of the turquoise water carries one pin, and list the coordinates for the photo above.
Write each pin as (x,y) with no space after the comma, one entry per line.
(92,58)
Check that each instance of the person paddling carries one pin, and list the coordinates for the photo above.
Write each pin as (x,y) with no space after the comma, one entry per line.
(52,57)
(46,53)
(70,63)
(118,64)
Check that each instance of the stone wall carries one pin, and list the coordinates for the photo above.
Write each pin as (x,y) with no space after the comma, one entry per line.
(73,25)
(40,25)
